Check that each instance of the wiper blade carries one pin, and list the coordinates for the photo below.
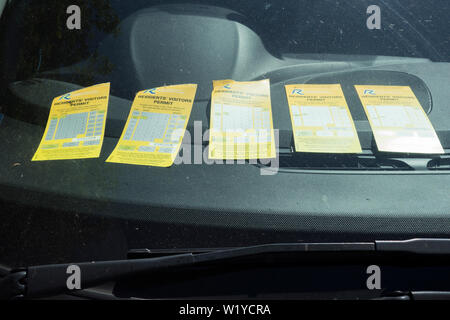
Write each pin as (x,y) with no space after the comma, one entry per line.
(416,295)
(368,161)
(47,280)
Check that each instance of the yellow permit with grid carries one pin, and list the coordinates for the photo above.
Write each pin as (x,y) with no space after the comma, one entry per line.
(76,125)
(321,120)
(241,121)
(398,121)
(155,127)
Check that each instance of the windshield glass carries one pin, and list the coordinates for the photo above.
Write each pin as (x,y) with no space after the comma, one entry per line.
(196,124)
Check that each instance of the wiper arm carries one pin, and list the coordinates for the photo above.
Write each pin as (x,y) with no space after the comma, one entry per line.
(47,280)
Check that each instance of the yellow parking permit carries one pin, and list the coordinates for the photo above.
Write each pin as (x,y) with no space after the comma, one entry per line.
(155,127)
(398,121)
(241,121)
(76,125)
(321,120)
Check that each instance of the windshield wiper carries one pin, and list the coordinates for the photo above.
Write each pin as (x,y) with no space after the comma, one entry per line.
(48,280)
(368,162)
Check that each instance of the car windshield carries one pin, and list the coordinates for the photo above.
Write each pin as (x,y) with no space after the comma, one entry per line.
(207,124)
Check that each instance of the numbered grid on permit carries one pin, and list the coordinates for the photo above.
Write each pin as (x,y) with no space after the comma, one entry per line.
(161,131)
(242,124)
